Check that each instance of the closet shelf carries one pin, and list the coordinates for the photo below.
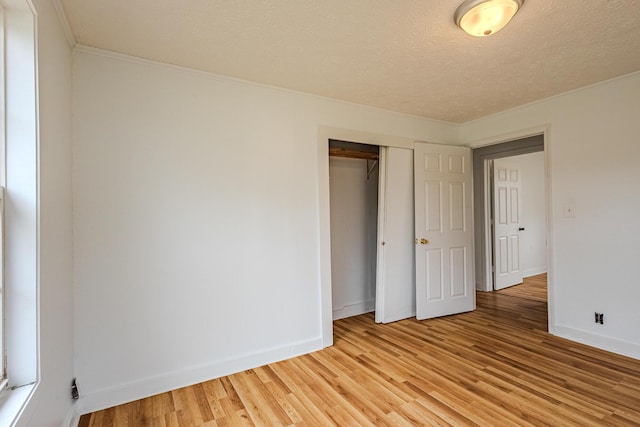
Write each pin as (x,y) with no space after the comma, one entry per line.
(352,154)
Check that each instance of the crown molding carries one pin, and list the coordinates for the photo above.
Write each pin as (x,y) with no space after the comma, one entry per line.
(82,48)
(64,22)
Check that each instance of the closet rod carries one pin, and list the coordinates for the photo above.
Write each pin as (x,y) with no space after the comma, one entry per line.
(352,154)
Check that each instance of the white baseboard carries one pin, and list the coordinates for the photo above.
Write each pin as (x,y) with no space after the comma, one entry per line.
(354,309)
(534,271)
(73,417)
(484,286)
(140,389)
(613,345)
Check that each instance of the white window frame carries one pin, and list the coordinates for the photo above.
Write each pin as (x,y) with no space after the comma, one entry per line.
(3,363)
(3,354)
(19,177)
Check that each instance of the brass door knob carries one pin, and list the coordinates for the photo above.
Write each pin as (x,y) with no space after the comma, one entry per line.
(423,241)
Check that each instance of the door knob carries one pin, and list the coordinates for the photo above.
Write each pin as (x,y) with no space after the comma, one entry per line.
(521,229)
(423,241)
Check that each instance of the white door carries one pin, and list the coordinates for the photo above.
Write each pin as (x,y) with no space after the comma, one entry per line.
(395,270)
(444,230)
(506,217)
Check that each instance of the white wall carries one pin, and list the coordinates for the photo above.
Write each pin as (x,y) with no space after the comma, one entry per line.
(593,151)
(197,222)
(533,248)
(50,404)
(354,209)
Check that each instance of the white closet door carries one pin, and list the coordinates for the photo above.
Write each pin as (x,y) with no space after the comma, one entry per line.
(395,270)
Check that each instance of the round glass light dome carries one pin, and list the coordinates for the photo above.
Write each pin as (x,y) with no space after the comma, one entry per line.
(484,17)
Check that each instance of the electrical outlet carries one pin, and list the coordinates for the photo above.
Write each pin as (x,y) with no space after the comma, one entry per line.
(599,317)
(74,390)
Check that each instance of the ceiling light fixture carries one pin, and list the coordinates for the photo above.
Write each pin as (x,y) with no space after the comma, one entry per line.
(484,17)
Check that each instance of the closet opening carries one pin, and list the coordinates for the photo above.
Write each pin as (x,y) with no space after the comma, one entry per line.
(353,190)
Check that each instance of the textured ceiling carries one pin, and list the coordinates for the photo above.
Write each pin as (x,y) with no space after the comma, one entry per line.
(406,56)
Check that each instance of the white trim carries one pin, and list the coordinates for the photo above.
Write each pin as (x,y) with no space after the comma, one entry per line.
(325,133)
(545,131)
(136,390)
(73,417)
(3,352)
(551,305)
(472,226)
(354,309)
(324,239)
(81,48)
(534,271)
(64,22)
(381,283)
(3,100)
(549,98)
(135,59)
(487,284)
(613,345)
(22,238)
(22,220)
(509,136)
(488,235)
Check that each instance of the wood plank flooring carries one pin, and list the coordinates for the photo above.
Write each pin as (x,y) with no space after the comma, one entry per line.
(496,366)
(534,287)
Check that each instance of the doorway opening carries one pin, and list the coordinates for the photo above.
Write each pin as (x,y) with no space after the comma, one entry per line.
(371,225)
(353,191)
(510,192)
(425,229)
(517,218)
(420,261)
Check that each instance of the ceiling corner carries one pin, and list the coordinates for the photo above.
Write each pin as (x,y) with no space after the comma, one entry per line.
(66,27)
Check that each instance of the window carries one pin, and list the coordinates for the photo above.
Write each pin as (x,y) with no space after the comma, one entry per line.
(19,219)
(3,377)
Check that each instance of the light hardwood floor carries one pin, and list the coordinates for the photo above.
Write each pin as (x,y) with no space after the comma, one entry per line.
(496,366)
(534,287)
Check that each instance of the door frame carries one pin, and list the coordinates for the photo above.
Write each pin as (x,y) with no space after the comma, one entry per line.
(325,133)
(482,197)
(484,279)
(381,282)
